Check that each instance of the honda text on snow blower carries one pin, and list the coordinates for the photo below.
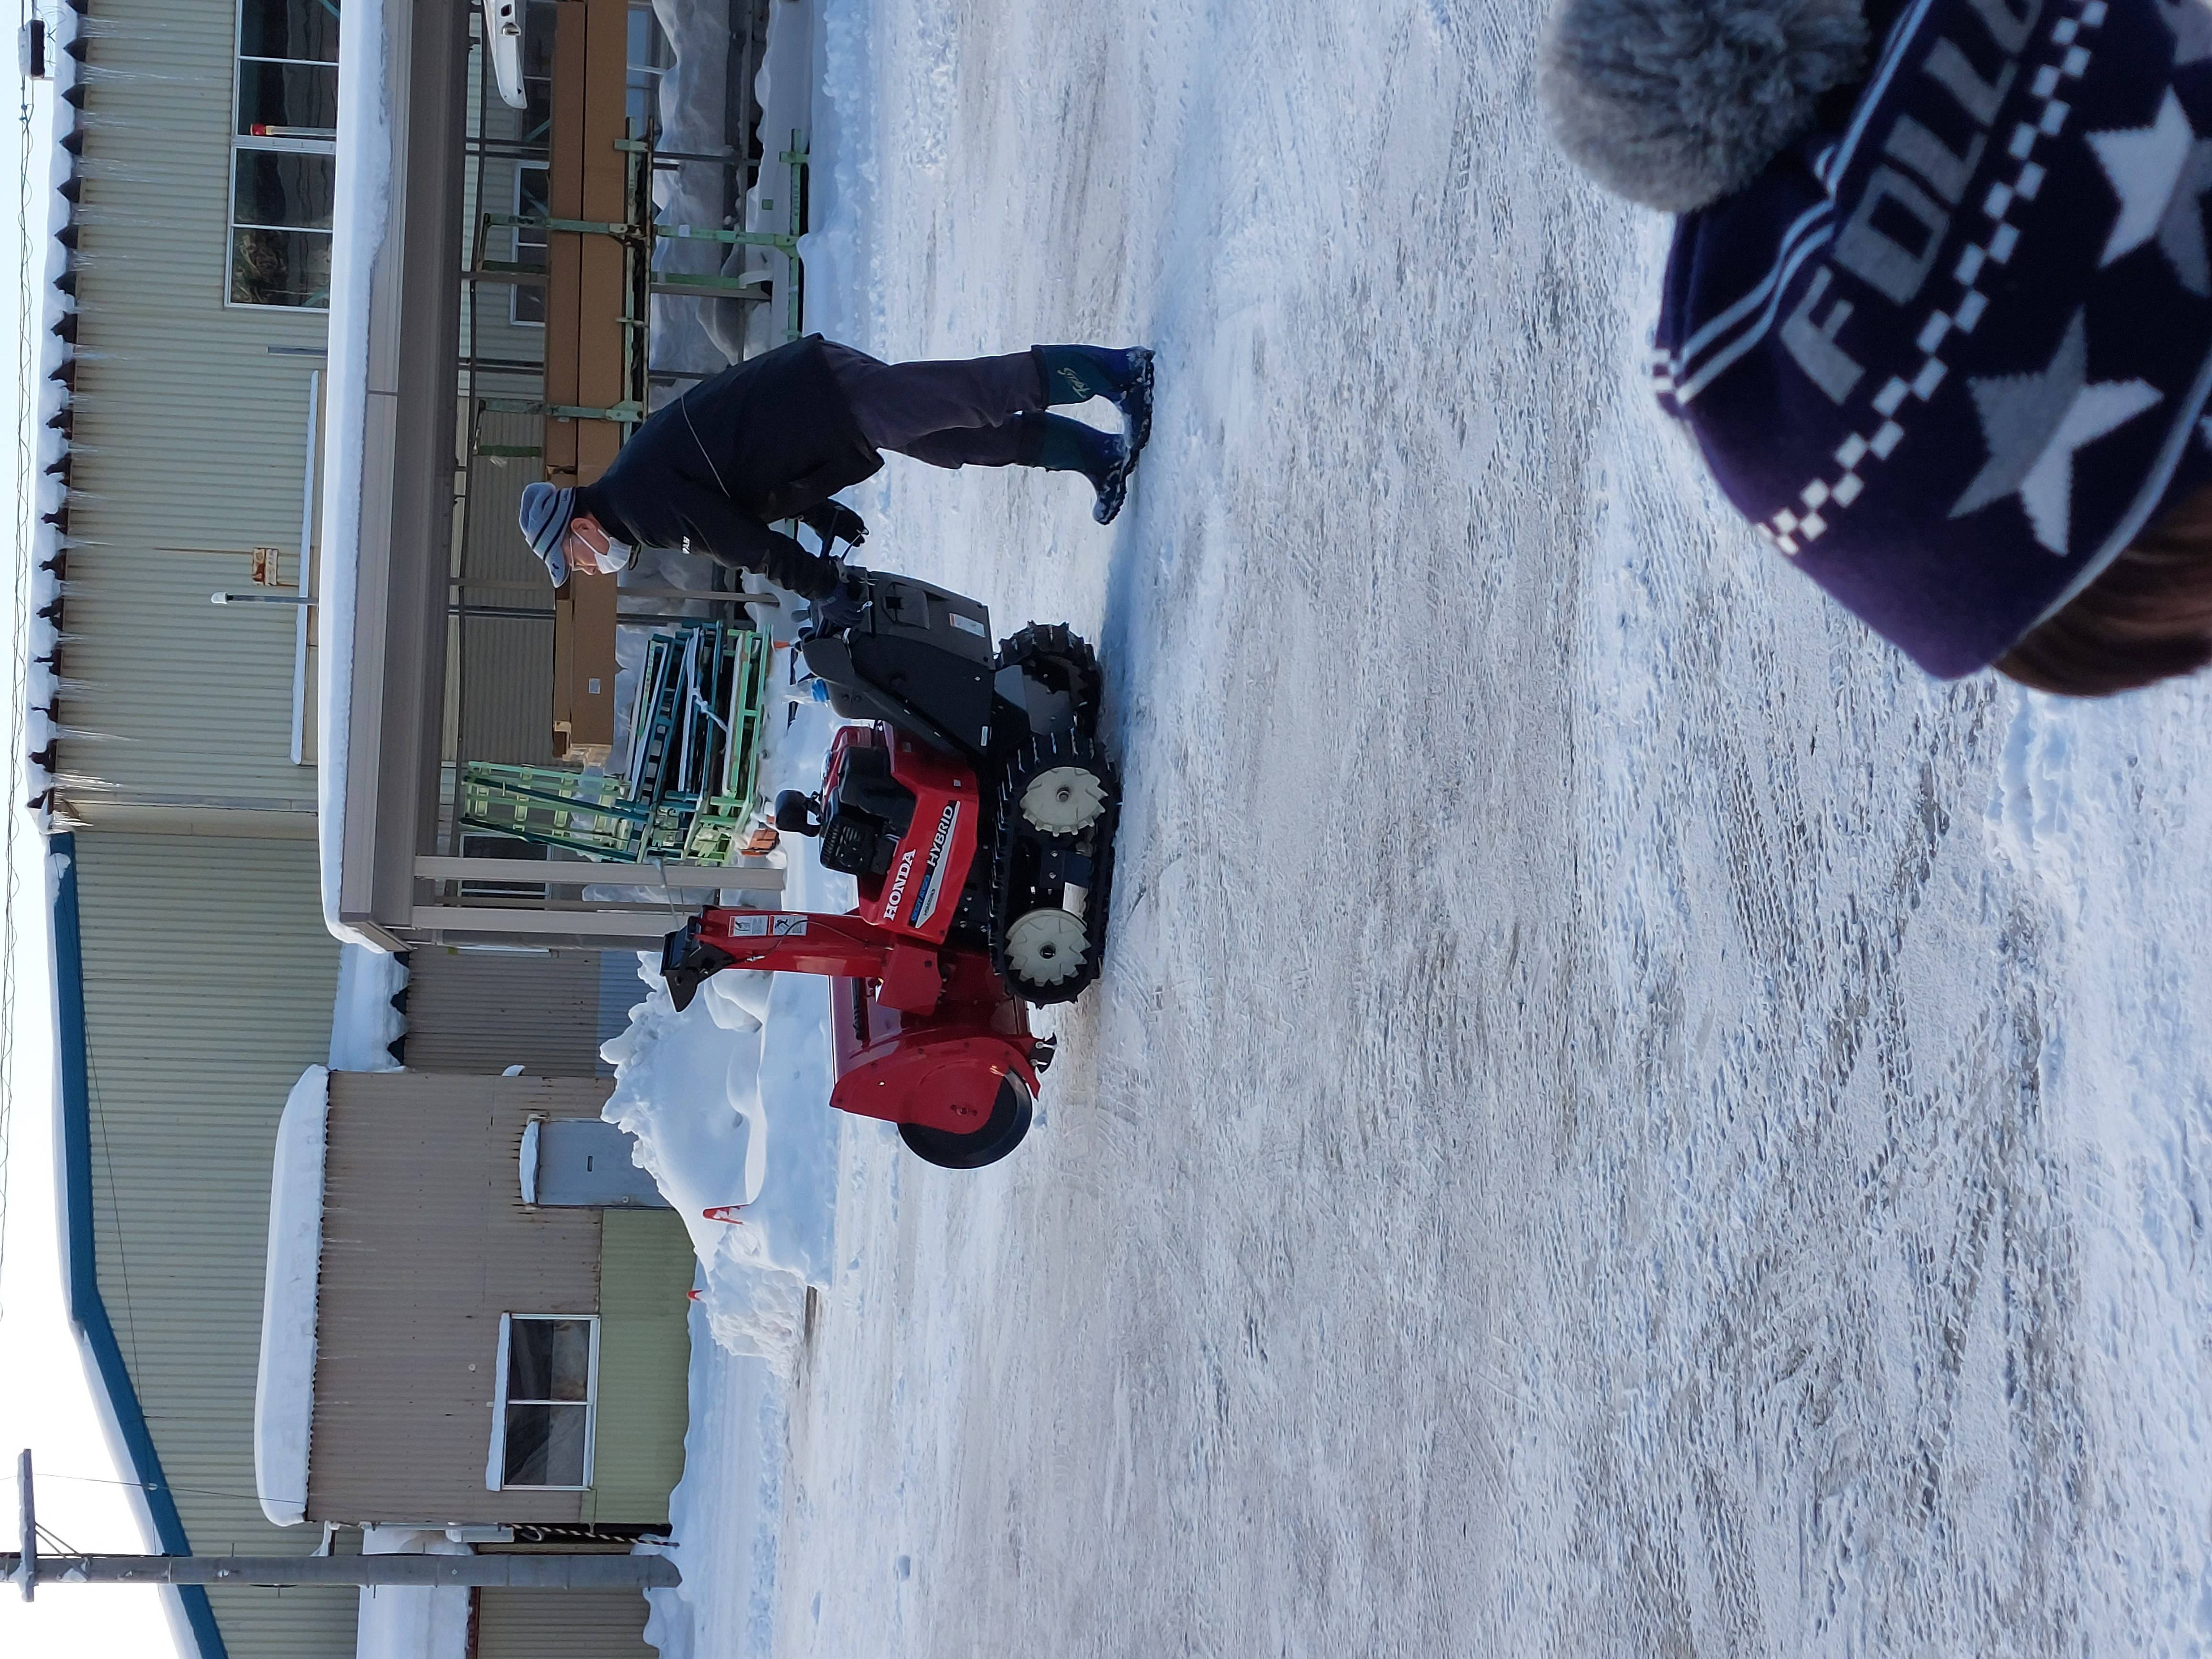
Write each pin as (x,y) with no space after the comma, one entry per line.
(975,811)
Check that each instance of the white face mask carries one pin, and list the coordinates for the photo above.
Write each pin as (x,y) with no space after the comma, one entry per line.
(590,548)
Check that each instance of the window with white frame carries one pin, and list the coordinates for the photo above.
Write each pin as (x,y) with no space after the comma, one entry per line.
(283,158)
(545,1409)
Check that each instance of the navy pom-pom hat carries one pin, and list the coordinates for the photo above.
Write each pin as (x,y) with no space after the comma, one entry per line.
(1950,350)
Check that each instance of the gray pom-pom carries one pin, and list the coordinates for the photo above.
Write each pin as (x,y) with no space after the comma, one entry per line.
(1675,103)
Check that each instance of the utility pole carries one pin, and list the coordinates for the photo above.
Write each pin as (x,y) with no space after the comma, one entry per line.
(26,1571)
(429,1571)
(30,1569)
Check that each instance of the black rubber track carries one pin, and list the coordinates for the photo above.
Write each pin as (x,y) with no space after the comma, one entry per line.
(1097,843)
(1064,660)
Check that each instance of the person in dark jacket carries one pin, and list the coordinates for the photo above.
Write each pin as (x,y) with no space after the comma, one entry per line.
(776,436)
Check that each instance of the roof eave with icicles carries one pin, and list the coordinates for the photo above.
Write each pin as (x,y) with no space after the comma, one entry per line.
(48,361)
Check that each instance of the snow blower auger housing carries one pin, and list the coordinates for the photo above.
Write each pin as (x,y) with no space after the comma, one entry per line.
(975,812)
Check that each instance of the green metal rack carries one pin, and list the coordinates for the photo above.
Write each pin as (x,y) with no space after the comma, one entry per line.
(692,781)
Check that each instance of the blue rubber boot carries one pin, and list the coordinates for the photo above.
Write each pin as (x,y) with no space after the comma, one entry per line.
(1059,445)
(1077,373)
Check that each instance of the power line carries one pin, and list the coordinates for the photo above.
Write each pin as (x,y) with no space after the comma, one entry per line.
(146,1486)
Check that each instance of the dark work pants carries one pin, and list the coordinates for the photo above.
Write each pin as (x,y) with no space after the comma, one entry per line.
(964,413)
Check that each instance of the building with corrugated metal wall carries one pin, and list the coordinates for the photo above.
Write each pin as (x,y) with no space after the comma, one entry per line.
(198,977)
(430,1244)
(207,989)
(484,1010)
(190,440)
(203,977)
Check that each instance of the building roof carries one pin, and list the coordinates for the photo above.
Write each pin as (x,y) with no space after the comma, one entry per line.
(45,260)
(387,453)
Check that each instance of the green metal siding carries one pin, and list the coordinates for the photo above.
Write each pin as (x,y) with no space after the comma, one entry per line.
(189,702)
(208,987)
(189,433)
(646,1265)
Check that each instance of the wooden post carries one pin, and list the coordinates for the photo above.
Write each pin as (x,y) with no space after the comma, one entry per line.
(587,348)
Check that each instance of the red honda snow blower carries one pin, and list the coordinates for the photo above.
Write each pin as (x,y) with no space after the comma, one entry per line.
(976,813)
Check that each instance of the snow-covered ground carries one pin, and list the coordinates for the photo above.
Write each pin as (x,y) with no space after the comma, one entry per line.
(1621,1118)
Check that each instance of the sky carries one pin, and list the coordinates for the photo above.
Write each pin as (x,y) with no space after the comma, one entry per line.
(47,1399)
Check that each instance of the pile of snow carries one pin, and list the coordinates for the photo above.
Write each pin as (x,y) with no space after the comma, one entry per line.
(284,1389)
(670,1625)
(729,1102)
(411,1621)
(687,1085)
(690,331)
(784,87)
(724,1515)
(365,1022)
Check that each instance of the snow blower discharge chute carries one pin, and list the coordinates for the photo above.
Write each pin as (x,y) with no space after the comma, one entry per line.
(976,810)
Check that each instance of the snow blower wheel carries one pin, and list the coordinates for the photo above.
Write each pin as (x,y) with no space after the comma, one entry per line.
(1064,800)
(1045,948)
(1004,1131)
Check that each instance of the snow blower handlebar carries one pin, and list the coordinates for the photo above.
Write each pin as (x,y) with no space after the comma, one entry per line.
(786,941)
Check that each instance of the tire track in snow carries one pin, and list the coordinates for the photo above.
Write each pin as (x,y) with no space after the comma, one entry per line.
(1598,1135)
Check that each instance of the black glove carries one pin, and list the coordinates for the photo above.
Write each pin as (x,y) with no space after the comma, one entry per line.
(835,521)
(846,605)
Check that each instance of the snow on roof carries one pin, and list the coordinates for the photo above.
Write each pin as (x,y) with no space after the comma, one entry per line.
(359,216)
(365,1020)
(284,1391)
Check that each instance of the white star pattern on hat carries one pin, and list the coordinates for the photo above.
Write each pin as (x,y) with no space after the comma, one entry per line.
(2033,424)
(2160,173)
(1825,498)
